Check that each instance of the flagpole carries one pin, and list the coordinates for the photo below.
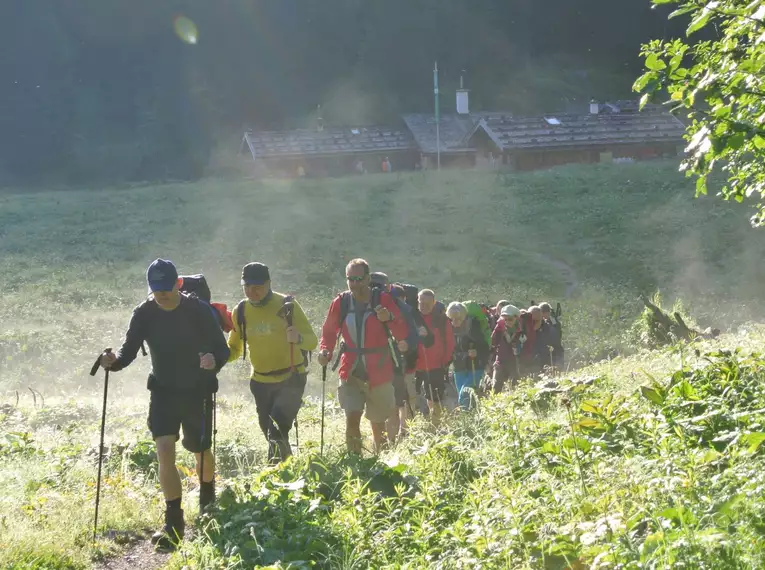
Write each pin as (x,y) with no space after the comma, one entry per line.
(438,117)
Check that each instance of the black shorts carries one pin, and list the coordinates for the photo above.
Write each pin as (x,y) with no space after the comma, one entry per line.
(170,411)
(433,382)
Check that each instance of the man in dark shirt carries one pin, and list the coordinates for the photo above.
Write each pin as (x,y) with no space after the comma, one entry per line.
(187,350)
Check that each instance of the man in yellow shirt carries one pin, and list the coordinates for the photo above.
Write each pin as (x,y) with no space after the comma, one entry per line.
(275,330)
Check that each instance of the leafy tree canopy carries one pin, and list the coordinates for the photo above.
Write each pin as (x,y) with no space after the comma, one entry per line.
(715,78)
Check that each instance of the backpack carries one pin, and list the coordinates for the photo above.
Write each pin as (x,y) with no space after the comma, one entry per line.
(477,311)
(196,286)
(286,313)
(374,300)
(439,321)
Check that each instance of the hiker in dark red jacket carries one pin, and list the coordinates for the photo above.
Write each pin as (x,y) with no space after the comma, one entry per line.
(504,342)
(527,343)
(369,323)
(433,362)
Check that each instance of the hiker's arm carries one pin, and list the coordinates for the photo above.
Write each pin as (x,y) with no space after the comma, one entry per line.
(397,324)
(429,338)
(331,328)
(308,340)
(133,340)
(214,339)
(449,332)
(497,334)
(412,337)
(235,343)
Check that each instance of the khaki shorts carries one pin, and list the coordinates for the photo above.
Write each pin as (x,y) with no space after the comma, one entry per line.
(404,389)
(379,401)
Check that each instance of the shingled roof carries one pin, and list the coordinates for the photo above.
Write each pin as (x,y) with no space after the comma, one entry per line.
(453,129)
(328,142)
(560,131)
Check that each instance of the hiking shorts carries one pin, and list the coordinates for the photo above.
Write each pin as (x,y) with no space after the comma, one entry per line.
(169,411)
(278,403)
(433,382)
(404,390)
(356,395)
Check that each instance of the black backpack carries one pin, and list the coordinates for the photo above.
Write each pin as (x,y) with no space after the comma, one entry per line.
(196,286)
(286,313)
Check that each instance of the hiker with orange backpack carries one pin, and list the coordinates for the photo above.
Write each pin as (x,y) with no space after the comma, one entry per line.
(369,324)
(433,361)
(187,349)
(275,330)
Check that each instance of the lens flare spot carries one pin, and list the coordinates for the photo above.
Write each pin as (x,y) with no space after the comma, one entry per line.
(185,29)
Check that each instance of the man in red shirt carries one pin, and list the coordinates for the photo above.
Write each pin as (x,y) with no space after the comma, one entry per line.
(368,321)
(433,362)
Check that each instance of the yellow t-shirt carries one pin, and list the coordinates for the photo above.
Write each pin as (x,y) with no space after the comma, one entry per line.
(267,343)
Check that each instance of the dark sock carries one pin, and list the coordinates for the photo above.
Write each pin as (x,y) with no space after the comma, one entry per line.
(175,504)
(207,487)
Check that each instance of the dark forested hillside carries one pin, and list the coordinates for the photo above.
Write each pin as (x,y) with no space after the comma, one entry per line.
(97,91)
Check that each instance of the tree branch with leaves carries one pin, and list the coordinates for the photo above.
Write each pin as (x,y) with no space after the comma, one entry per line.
(719,86)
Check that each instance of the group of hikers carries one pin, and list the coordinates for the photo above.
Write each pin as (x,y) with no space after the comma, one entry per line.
(392,345)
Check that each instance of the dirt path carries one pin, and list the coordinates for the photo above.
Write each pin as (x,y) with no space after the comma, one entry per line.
(140,555)
(569,275)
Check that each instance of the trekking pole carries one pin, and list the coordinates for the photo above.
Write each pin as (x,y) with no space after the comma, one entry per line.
(215,424)
(202,445)
(93,372)
(323,392)
(287,312)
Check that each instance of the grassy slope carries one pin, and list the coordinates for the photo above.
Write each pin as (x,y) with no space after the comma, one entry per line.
(72,265)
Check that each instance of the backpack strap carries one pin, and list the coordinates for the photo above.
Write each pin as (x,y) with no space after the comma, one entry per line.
(242,323)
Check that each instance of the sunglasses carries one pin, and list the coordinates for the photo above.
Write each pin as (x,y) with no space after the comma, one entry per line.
(353,279)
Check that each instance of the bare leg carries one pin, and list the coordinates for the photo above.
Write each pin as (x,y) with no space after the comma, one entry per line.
(209,466)
(392,425)
(378,433)
(353,431)
(403,414)
(169,479)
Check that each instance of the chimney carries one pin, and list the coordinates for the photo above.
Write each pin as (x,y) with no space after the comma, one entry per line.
(463,98)
(594,107)
(319,119)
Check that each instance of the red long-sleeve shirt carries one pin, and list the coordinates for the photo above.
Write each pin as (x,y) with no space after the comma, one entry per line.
(440,353)
(378,360)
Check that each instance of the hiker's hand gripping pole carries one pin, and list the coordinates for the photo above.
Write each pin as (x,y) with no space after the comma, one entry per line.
(105,359)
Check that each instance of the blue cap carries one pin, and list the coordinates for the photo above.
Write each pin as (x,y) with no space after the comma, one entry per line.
(161,275)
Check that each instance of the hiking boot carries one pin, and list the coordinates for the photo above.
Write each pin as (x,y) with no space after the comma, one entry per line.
(206,496)
(278,451)
(172,533)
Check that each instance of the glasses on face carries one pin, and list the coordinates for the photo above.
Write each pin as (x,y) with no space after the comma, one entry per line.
(354,279)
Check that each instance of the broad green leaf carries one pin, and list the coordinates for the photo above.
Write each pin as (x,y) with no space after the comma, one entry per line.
(736,141)
(550,447)
(590,406)
(589,423)
(653,395)
(642,82)
(698,22)
(682,10)
(654,63)
(701,186)
(579,443)
(754,440)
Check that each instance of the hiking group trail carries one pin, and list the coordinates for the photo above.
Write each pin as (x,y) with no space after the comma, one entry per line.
(140,555)
(568,273)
